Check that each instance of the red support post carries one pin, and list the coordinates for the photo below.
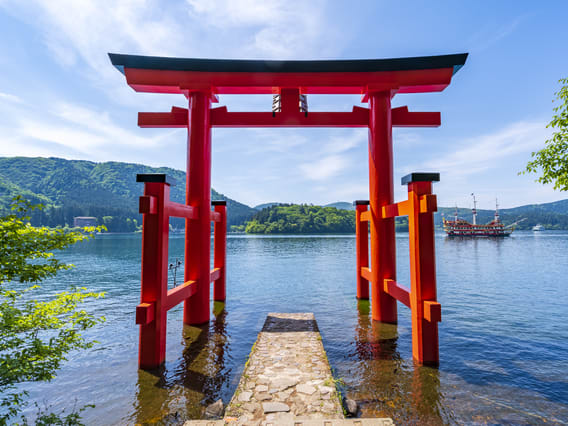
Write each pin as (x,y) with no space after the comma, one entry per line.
(152,311)
(220,256)
(378,80)
(362,237)
(381,193)
(425,310)
(198,195)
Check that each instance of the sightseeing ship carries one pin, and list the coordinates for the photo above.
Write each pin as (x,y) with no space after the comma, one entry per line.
(462,228)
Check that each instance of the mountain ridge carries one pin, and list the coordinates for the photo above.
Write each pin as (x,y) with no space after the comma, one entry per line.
(108,191)
(70,188)
(559,206)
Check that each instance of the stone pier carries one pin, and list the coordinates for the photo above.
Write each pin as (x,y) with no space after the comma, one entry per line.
(287,375)
(287,379)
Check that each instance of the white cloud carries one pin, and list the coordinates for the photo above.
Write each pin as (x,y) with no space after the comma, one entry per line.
(405,137)
(280,28)
(20,146)
(334,155)
(99,124)
(80,34)
(70,130)
(480,153)
(7,97)
(487,164)
(223,13)
(339,144)
(325,168)
(352,191)
(493,33)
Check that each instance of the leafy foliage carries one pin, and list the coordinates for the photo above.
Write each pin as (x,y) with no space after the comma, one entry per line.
(45,417)
(309,219)
(302,219)
(552,160)
(35,335)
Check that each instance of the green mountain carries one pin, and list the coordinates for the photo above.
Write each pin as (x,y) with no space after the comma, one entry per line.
(265,205)
(551,215)
(309,219)
(341,205)
(107,191)
(560,207)
(301,219)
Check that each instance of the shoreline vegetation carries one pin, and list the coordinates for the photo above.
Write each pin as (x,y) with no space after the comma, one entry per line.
(109,192)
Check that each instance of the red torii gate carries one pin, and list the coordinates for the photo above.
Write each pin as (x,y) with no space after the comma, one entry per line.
(201,80)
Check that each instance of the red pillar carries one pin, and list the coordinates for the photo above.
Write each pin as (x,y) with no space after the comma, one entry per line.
(422,276)
(198,195)
(362,237)
(381,193)
(155,226)
(220,239)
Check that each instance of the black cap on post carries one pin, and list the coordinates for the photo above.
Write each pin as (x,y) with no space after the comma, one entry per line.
(155,178)
(218,203)
(420,177)
(361,202)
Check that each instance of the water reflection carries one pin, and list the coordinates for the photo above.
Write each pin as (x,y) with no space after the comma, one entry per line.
(503,340)
(387,385)
(375,340)
(181,390)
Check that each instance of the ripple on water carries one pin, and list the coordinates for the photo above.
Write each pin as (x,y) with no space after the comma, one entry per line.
(503,340)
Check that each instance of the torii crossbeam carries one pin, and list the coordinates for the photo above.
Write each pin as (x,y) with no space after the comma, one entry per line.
(377,81)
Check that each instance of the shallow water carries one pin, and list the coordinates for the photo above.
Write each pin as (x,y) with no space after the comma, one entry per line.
(503,336)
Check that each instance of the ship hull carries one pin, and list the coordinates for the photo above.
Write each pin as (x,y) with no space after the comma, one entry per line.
(461,228)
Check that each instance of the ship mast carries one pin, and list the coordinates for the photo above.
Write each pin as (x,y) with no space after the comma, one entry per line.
(496,211)
(474,211)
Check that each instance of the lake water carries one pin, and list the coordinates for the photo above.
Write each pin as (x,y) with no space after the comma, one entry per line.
(503,336)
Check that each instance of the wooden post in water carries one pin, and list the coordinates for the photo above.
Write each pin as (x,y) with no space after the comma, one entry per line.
(426,311)
(151,313)
(220,251)
(198,195)
(381,193)
(362,241)
(200,80)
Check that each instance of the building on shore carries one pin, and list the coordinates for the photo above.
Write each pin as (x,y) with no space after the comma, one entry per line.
(82,221)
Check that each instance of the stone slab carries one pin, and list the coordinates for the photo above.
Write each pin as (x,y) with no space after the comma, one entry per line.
(296,421)
(287,367)
(287,380)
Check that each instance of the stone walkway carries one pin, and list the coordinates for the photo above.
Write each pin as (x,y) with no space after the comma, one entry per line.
(287,379)
(299,422)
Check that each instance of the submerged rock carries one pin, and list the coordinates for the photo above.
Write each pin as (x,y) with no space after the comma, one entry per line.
(351,407)
(172,419)
(215,410)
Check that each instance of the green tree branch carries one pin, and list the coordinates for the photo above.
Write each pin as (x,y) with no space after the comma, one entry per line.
(36,335)
(552,160)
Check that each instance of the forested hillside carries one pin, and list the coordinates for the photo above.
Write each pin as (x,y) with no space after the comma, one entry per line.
(301,219)
(309,219)
(107,191)
(306,219)
(550,215)
(341,205)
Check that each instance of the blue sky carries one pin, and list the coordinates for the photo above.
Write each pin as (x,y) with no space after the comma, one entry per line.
(60,96)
